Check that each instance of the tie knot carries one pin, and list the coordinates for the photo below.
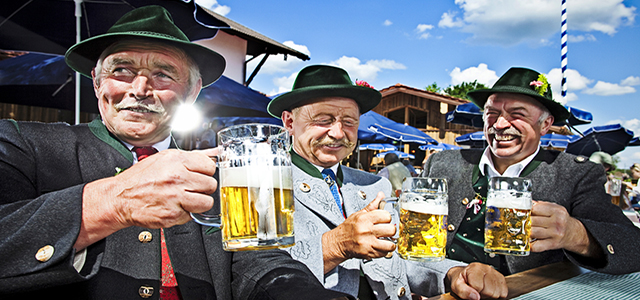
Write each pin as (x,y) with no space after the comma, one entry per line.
(329,176)
(143,152)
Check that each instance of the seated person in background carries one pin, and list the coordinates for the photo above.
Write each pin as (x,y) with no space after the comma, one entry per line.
(394,170)
(73,230)
(407,163)
(340,229)
(572,216)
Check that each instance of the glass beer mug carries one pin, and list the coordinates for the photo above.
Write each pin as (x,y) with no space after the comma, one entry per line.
(256,196)
(423,210)
(508,216)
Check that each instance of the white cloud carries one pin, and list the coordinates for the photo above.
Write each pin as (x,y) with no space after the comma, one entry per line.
(277,63)
(367,71)
(481,73)
(609,89)
(214,6)
(509,22)
(631,81)
(387,23)
(421,29)
(633,124)
(449,20)
(581,38)
(283,84)
(575,82)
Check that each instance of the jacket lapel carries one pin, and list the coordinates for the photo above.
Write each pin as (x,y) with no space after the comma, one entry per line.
(315,194)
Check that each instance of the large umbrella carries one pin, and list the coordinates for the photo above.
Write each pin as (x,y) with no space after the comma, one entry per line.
(608,138)
(393,130)
(634,141)
(473,140)
(47,25)
(439,147)
(556,140)
(400,154)
(377,147)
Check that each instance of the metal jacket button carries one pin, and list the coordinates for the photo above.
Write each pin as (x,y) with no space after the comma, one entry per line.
(145,291)
(45,253)
(145,236)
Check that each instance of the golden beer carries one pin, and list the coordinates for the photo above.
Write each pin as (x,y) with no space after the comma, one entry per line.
(423,231)
(256,209)
(508,224)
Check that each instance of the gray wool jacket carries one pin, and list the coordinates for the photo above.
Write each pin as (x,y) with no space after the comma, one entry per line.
(562,178)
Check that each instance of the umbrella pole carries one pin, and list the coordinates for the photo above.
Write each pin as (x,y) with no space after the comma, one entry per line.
(358,161)
(78,14)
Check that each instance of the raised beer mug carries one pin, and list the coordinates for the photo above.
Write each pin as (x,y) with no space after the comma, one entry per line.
(508,216)
(256,196)
(423,213)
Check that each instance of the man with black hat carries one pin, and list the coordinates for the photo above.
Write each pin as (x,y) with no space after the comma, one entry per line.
(340,229)
(572,217)
(90,212)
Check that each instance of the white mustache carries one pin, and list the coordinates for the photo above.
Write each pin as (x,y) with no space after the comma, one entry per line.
(140,106)
(509,131)
(329,141)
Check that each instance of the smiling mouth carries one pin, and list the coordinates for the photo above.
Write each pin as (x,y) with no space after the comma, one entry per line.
(138,109)
(505,137)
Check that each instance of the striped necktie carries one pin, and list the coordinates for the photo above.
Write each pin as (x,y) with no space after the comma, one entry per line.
(330,179)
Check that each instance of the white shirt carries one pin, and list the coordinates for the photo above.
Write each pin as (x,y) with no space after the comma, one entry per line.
(512,171)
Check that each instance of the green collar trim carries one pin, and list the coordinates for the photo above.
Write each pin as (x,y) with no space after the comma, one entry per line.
(100,131)
(310,169)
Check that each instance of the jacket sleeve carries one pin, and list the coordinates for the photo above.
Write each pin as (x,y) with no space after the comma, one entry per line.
(613,232)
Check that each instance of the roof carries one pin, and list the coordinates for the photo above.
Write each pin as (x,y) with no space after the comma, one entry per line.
(256,43)
(400,88)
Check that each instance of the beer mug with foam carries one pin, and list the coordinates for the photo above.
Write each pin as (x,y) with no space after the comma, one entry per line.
(508,216)
(256,196)
(423,219)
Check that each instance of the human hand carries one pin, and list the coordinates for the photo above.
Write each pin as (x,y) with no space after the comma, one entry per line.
(358,236)
(553,228)
(476,281)
(157,192)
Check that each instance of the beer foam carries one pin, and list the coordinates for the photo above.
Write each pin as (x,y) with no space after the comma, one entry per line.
(506,199)
(425,208)
(249,176)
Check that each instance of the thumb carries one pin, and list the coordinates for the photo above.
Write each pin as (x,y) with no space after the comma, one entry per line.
(373,205)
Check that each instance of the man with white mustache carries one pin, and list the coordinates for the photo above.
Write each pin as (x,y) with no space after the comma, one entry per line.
(340,230)
(572,215)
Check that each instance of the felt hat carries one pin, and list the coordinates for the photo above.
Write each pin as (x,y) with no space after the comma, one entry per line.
(148,22)
(526,82)
(324,81)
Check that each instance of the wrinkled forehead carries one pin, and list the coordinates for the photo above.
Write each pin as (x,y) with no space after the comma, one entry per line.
(330,105)
(512,100)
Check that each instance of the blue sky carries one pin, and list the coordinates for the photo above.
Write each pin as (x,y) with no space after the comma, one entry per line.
(417,42)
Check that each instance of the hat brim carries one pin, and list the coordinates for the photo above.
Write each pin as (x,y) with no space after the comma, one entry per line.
(479,98)
(366,97)
(82,57)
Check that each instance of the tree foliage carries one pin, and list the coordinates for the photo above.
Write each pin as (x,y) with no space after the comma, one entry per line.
(461,90)
(434,88)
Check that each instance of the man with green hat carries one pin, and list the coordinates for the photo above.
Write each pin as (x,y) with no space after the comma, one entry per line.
(340,230)
(102,210)
(572,216)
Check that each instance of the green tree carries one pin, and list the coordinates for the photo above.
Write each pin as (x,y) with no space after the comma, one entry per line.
(461,90)
(434,88)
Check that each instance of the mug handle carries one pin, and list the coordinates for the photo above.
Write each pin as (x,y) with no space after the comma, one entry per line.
(207,220)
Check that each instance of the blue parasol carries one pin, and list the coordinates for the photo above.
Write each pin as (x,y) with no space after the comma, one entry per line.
(379,147)
(556,140)
(473,140)
(439,147)
(608,138)
(379,124)
(400,154)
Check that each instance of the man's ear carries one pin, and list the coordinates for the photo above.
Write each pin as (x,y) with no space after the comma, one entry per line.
(287,121)
(546,125)
(195,91)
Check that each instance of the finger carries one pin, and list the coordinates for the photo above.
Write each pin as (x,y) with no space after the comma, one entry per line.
(197,162)
(384,230)
(460,287)
(210,152)
(373,205)
(200,183)
(382,247)
(197,203)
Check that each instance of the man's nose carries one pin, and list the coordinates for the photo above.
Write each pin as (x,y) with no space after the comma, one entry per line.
(502,123)
(335,131)
(141,87)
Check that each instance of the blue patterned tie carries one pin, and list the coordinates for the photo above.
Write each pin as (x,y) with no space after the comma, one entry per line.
(330,179)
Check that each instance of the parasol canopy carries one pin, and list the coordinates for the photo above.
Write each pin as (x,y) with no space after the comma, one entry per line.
(607,138)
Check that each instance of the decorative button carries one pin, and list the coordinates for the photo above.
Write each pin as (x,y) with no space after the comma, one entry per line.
(580,159)
(464,235)
(492,255)
(305,188)
(45,253)
(451,227)
(465,201)
(610,249)
(401,291)
(145,291)
(362,195)
(145,236)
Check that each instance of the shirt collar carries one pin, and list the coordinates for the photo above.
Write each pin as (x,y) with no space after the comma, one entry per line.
(512,171)
(160,146)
